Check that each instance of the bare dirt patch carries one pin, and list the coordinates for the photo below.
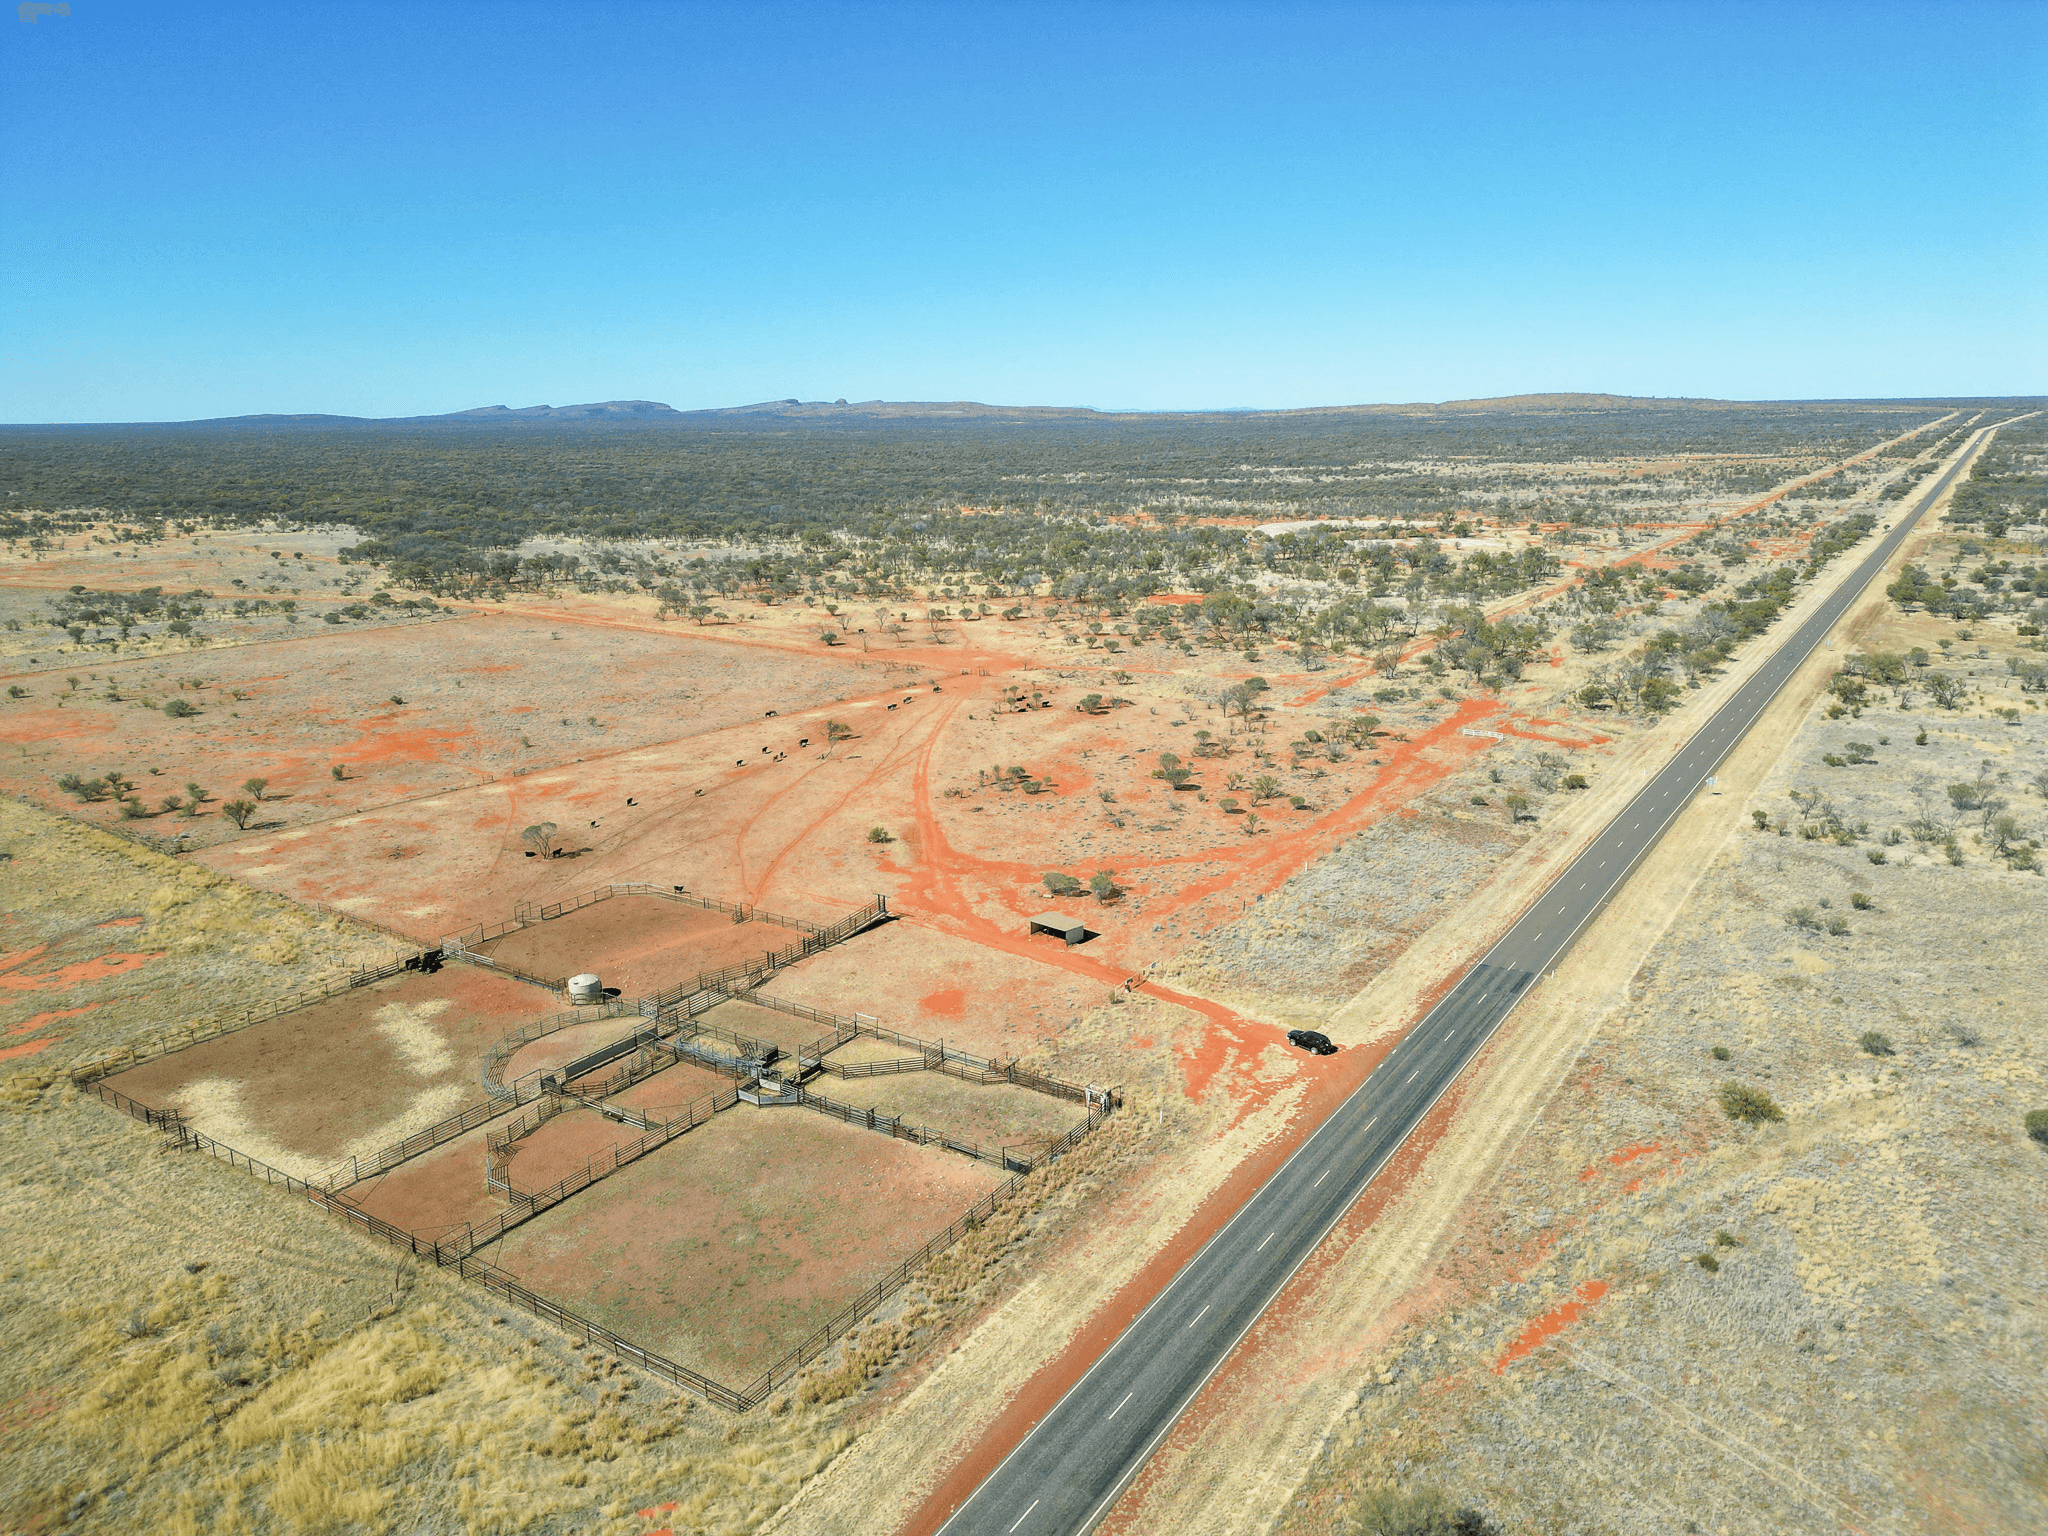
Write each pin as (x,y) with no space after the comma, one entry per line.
(639,944)
(721,1249)
(992,1114)
(347,1076)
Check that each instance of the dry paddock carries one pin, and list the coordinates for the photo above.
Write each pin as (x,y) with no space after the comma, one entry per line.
(723,1248)
(347,1076)
(639,944)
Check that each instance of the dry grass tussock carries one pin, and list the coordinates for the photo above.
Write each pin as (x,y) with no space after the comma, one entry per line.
(190,1350)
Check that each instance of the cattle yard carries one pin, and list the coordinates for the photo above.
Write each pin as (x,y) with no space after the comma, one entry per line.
(615,1165)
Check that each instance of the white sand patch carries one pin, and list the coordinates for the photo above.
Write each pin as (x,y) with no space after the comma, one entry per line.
(263,869)
(353,903)
(427,911)
(419,1044)
(214,1105)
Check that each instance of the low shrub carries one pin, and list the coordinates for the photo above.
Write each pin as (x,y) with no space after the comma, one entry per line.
(2037,1125)
(1413,1512)
(1876,1043)
(1752,1106)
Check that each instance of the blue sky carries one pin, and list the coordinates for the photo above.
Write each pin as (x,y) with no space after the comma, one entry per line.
(393,209)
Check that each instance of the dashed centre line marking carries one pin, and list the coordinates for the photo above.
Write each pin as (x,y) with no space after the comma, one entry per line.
(1119,1408)
(1025,1516)
(1265,1240)
(1319,1179)
(1198,1316)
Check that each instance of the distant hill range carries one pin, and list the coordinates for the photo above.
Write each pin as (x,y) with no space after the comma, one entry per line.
(841,412)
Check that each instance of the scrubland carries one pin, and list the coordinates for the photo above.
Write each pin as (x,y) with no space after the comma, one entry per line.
(1287,757)
(1663,1317)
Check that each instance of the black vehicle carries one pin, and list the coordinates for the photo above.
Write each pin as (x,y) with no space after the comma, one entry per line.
(1312,1040)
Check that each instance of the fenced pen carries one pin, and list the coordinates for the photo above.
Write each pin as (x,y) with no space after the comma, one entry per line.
(458,1254)
(466,945)
(670,1029)
(180,1037)
(526,913)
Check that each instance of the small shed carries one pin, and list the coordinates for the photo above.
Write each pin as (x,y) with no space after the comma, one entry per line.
(1072,929)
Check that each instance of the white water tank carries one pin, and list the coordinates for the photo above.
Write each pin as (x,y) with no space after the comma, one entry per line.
(586,989)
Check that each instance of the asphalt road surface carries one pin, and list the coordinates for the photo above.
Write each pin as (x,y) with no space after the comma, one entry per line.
(1070,1469)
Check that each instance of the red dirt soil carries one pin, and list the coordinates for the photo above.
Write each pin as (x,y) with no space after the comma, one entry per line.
(472,689)
(722,1248)
(988,1113)
(564,1144)
(317,1080)
(639,944)
(434,1192)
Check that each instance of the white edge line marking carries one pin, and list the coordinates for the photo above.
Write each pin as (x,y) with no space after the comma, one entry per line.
(1137,1462)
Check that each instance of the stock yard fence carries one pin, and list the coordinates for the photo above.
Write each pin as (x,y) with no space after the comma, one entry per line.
(178,1038)
(458,1253)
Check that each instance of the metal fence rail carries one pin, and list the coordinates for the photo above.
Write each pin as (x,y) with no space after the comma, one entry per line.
(827,1333)
(185,1035)
(509,1044)
(527,914)
(527,1205)
(1015,1159)
(355,1170)
(460,1256)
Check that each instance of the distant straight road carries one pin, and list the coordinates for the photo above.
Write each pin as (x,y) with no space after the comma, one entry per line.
(1075,1462)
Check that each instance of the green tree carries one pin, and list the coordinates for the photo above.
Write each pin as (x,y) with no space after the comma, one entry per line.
(179,709)
(254,788)
(541,838)
(240,812)
(84,790)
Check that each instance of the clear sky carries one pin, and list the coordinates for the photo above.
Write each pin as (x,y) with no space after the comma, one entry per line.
(210,209)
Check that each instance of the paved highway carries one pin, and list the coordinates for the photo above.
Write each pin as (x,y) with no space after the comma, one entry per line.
(1067,1472)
